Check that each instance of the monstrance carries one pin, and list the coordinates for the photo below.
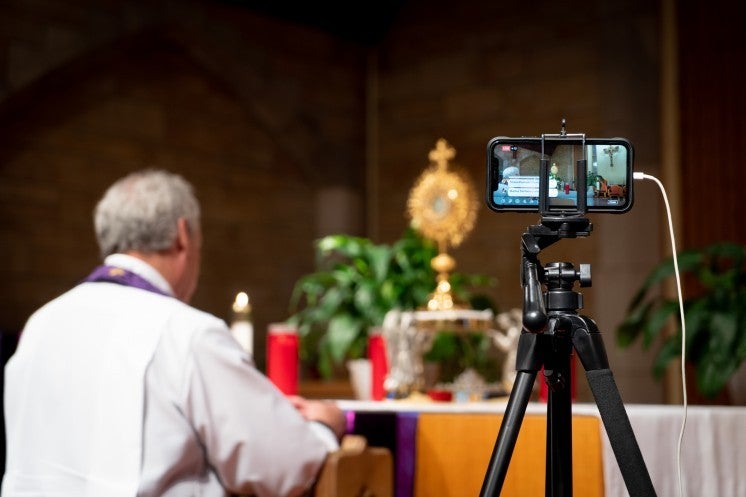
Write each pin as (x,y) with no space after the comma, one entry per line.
(443,206)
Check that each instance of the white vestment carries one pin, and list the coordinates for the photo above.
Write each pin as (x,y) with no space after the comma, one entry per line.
(117,391)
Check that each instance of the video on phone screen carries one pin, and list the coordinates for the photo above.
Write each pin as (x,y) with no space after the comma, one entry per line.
(515,180)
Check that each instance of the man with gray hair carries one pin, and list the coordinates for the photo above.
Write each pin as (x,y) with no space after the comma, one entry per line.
(120,388)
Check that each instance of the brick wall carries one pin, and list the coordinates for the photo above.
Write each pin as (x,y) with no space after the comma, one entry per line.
(267,118)
(259,131)
(469,71)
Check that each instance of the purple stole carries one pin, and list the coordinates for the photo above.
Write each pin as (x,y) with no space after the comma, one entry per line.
(112,274)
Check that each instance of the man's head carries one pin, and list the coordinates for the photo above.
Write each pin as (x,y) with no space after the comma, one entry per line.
(153,215)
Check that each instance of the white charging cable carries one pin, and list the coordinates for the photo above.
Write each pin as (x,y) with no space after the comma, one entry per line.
(683,325)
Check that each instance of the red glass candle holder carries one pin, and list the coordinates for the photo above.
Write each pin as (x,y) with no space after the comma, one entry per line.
(379,363)
(282,357)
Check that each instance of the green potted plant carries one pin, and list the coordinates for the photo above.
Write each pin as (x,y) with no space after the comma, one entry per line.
(356,283)
(715,316)
(592,182)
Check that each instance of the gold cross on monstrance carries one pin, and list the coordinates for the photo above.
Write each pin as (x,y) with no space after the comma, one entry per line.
(441,154)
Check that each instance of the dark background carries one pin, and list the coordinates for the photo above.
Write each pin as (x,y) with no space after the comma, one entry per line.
(299,120)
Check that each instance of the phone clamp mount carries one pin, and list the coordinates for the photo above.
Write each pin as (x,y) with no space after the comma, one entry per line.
(552,329)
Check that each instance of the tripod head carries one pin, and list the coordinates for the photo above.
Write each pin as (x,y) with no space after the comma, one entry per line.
(559,277)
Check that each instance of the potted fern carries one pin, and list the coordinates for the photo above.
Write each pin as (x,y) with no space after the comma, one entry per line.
(355,284)
(715,316)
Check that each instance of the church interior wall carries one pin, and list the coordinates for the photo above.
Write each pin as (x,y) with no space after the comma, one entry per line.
(269,119)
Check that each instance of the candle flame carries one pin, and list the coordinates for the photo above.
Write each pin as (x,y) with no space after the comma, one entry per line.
(241,304)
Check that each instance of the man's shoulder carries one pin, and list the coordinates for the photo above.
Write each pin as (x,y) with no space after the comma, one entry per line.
(192,316)
(128,304)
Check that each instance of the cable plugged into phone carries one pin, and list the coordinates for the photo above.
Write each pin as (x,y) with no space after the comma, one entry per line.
(643,176)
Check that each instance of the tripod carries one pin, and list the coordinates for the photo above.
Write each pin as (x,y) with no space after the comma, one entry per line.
(552,328)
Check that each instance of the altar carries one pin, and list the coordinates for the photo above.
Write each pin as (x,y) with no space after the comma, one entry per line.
(443,449)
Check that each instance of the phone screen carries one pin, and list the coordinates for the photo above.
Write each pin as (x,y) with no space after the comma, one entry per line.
(513,166)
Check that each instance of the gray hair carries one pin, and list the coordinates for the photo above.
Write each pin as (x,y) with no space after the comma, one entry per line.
(141,210)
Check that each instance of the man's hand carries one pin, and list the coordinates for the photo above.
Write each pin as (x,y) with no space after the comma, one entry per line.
(323,411)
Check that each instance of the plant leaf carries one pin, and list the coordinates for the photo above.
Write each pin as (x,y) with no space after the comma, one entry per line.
(712,376)
(632,326)
(657,320)
(670,350)
(380,260)
(342,331)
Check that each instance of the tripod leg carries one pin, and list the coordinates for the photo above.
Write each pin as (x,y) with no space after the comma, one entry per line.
(621,436)
(559,421)
(591,351)
(529,359)
(508,434)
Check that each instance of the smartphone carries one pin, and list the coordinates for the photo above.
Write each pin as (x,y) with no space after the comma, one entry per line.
(513,168)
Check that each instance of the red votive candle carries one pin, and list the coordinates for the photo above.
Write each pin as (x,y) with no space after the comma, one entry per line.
(282,357)
(378,362)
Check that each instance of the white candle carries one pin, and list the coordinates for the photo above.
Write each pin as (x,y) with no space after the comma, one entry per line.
(242,328)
